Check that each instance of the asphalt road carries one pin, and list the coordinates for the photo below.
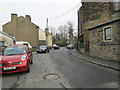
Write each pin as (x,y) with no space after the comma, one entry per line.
(10,80)
(60,69)
(83,74)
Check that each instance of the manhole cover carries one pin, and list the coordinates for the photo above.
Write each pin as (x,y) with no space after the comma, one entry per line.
(51,76)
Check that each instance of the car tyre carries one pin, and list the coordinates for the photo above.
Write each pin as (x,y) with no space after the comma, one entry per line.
(31,61)
(47,51)
(37,52)
(28,69)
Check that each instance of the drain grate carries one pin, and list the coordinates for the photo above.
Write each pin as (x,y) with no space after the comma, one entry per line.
(51,76)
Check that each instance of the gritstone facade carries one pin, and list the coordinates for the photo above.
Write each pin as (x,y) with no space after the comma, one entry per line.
(99,29)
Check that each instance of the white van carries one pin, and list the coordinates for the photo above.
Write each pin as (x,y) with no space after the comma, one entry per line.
(23,43)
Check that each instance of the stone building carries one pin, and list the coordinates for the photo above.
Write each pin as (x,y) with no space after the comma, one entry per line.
(99,29)
(22,29)
(45,38)
(42,37)
(49,40)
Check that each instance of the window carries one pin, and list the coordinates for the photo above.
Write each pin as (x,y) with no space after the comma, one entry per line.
(108,33)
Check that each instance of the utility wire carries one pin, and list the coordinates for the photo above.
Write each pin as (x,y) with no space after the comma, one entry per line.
(67,12)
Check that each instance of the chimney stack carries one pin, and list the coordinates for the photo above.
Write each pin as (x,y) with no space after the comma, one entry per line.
(13,17)
(28,18)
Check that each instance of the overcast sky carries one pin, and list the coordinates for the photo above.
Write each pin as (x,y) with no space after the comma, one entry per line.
(39,10)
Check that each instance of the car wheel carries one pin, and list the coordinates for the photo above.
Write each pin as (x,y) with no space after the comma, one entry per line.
(37,52)
(32,61)
(28,69)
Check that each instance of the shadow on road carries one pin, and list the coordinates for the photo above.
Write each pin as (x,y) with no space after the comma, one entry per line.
(12,74)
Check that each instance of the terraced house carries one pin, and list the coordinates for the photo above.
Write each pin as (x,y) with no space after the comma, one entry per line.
(99,29)
(22,29)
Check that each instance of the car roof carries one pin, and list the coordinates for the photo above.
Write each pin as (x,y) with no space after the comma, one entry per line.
(18,45)
(22,42)
(43,45)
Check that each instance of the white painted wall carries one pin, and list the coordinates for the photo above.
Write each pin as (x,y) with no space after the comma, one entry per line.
(7,39)
(42,35)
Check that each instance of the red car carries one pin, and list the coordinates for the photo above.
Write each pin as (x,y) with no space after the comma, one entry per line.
(16,58)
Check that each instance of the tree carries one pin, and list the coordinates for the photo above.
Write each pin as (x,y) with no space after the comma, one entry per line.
(70,29)
(62,31)
(52,29)
(64,34)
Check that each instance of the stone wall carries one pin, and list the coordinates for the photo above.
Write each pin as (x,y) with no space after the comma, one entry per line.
(89,16)
(93,14)
(105,50)
(93,10)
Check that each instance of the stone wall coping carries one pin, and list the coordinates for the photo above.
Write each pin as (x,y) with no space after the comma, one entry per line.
(108,22)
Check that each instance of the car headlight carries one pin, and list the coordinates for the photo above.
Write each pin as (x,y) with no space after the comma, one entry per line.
(23,58)
(16,63)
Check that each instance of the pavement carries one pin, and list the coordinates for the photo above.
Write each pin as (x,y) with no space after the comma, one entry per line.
(105,63)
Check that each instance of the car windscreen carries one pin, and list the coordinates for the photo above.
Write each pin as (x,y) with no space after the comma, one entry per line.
(14,51)
(43,47)
(70,45)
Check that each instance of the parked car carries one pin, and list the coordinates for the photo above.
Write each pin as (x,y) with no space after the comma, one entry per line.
(43,48)
(56,46)
(70,46)
(16,58)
